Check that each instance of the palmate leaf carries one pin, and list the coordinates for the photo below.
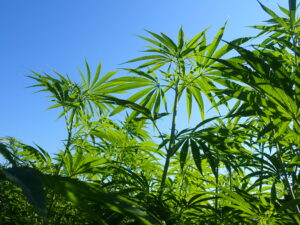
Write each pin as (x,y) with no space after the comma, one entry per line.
(180,55)
(219,142)
(98,83)
(199,80)
(267,69)
(236,201)
(254,61)
(168,51)
(150,97)
(280,28)
(253,209)
(138,180)
(277,18)
(59,89)
(206,55)
(267,77)
(78,99)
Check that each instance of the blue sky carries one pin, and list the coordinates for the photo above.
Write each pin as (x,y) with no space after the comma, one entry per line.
(60,34)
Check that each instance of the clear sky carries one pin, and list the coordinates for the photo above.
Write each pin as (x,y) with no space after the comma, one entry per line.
(60,34)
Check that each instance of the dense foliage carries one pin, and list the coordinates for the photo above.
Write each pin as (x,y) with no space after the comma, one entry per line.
(240,166)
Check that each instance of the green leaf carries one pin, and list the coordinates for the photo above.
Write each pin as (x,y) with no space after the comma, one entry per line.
(180,39)
(126,103)
(157,102)
(170,42)
(228,47)
(146,58)
(235,201)
(273,193)
(194,42)
(7,154)
(97,75)
(88,73)
(166,41)
(81,194)
(150,76)
(197,95)
(292,9)
(196,155)
(184,153)
(284,10)
(275,16)
(158,44)
(189,102)
(104,78)
(28,179)
(254,60)
(133,98)
(202,123)
(213,46)
(209,156)
(33,151)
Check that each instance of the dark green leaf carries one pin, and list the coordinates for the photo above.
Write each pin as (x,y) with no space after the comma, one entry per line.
(28,179)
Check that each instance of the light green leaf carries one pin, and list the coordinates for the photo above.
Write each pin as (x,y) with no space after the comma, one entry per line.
(275,16)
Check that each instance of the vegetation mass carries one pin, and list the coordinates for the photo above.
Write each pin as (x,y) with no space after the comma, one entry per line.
(240,166)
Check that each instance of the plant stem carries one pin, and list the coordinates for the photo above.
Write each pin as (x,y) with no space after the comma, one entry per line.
(217,189)
(172,141)
(261,167)
(287,183)
(68,144)
(159,132)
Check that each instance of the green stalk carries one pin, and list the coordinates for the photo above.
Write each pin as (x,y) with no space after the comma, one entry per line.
(68,144)
(170,150)
(159,132)
(261,168)
(286,181)
(230,178)
(172,141)
(217,189)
